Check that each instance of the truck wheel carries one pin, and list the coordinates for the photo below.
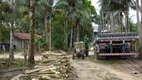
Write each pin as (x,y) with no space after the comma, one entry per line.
(83,56)
(86,53)
(73,57)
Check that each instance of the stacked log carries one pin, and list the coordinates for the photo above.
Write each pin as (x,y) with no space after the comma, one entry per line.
(54,66)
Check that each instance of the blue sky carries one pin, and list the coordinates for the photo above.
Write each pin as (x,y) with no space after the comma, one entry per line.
(132,13)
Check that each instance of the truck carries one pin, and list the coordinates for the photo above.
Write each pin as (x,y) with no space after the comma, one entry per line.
(111,42)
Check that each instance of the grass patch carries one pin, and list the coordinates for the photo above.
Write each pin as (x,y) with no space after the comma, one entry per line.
(15,51)
(17,64)
(2,52)
(19,50)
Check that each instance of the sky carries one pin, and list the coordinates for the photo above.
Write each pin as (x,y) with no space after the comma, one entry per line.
(132,13)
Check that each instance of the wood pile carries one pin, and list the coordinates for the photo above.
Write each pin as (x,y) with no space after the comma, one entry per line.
(54,66)
(79,45)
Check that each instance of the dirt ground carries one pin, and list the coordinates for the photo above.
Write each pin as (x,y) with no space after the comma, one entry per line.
(20,55)
(92,69)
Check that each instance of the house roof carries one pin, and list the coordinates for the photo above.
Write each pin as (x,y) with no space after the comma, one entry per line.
(22,36)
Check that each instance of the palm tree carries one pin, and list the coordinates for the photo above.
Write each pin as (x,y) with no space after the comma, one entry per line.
(31,60)
(63,5)
(77,13)
(11,55)
(47,7)
(117,5)
(67,6)
(8,10)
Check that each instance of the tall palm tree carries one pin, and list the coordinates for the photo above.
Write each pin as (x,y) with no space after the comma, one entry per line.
(11,55)
(117,5)
(46,6)
(31,60)
(63,5)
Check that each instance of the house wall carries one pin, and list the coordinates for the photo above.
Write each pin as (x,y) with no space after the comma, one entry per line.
(18,43)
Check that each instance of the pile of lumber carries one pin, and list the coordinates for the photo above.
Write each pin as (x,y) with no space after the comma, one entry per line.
(79,45)
(54,66)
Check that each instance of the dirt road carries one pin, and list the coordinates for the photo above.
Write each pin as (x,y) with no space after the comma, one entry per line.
(88,70)
(20,55)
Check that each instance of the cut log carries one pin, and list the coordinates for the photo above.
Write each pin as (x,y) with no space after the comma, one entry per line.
(32,71)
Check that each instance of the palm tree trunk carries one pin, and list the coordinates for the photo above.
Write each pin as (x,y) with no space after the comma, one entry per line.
(139,27)
(112,27)
(46,29)
(77,32)
(39,48)
(50,35)
(25,53)
(71,38)
(31,60)
(120,20)
(111,22)
(66,34)
(127,17)
(127,21)
(11,55)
